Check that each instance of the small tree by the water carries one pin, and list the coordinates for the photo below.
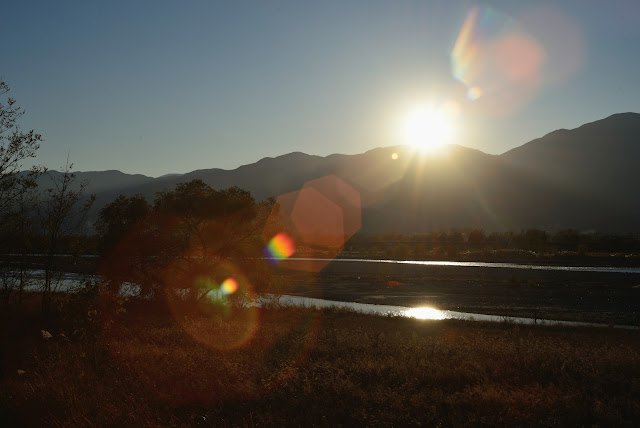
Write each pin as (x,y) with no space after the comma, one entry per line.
(186,245)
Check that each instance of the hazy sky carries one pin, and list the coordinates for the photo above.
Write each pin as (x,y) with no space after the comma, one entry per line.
(156,87)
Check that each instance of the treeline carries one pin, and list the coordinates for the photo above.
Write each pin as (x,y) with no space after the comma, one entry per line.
(193,243)
(453,243)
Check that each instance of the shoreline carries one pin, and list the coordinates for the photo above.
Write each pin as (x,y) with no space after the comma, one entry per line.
(429,314)
(597,297)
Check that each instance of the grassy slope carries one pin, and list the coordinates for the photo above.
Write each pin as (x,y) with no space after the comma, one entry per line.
(305,367)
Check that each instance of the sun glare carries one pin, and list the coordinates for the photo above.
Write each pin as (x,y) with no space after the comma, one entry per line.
(428,128)
(425,314)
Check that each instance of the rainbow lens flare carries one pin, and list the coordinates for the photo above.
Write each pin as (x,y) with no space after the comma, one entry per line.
(497,59)
(474,93)
(318,220)
(229,286)
(280,247)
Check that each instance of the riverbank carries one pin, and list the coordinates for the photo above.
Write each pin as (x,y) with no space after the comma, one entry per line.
(552,258)
(596,297)
(591,293)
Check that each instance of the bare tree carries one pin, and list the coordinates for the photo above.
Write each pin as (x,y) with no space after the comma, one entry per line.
(63,214)
(16,191)
(15,147)
(19,233)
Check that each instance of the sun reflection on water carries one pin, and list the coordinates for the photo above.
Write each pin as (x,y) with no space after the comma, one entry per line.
(425,314)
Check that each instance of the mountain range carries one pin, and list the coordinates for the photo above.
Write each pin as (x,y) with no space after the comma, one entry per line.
(585,178)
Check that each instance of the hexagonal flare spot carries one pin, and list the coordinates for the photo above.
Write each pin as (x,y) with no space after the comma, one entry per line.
(318,221)
(278,230)
(345,197)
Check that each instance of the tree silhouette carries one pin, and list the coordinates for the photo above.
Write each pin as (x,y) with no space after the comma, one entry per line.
(62,213)
(15,147)
(17,192)
(187,244)
(116,219)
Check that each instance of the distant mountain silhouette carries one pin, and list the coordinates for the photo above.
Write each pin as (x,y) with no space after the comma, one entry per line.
(99,181)
(371,173)
(598,161)
(170,175)
(583,178)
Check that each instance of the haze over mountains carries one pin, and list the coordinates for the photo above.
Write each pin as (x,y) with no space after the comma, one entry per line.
(585,178)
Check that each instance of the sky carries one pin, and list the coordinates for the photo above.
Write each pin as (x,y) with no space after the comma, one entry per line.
(158,87)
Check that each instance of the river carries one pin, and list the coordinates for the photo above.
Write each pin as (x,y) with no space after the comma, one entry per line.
(72,281)
(601,269)
(425,313)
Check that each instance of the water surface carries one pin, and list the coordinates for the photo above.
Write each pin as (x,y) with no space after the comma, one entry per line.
(423,312)
(498,265)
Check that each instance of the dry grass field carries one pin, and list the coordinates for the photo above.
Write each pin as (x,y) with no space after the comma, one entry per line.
(138,365)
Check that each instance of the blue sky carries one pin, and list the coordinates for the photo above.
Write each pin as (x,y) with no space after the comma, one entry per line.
(158,87)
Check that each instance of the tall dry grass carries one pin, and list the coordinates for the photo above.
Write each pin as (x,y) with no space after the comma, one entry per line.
(304,367)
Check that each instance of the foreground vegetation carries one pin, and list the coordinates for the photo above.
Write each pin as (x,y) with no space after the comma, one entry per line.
(137,364)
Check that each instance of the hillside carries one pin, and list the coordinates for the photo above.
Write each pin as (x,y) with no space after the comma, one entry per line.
(598,159)
(583,178)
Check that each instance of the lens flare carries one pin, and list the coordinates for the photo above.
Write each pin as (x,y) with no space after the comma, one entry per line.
(319,218)
(563,39)
(280,247)
(229,286)
(474,93)
(221,293)
(496,58)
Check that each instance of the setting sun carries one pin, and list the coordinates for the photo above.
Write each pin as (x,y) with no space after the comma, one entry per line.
(428,128)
